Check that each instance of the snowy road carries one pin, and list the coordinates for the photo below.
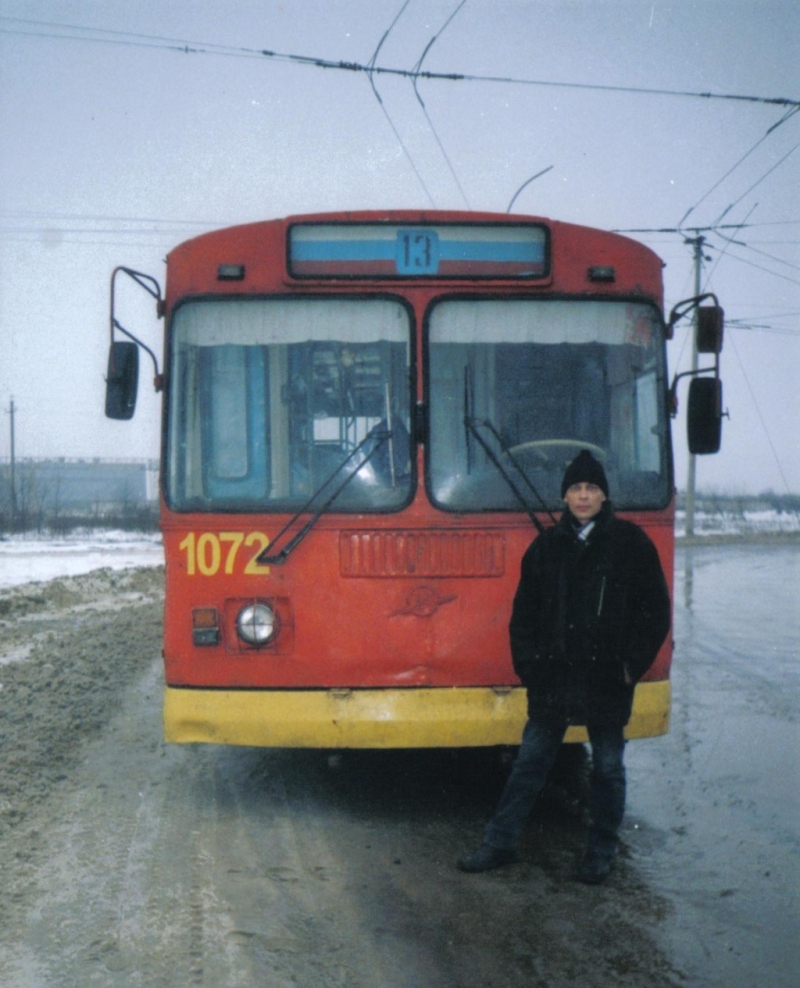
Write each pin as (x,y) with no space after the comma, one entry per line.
(129,862)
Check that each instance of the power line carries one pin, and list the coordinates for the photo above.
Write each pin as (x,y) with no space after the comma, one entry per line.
(728,239)
(717,228)
(783,119)
(49,228)
(417,68)
(209,48)
(81,241)
(209,224)
(758,182)
(395,131)
(762,253)
(39,231)
(87,217)
(761,327)
(386,34)
(694,229)
(760,267)
(760,416)
(731,170)
(776,223)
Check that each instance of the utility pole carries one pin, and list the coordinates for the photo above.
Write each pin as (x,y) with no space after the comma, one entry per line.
(13,482)
(691,476)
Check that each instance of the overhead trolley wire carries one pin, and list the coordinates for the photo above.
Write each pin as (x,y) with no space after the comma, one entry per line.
(760,267)
(703,229)
(758,182)
(762,253)
(759,414)
(716,228)
(761,327)
(729,241)
(415,83)
(743,158)
(211,48)
(381,104)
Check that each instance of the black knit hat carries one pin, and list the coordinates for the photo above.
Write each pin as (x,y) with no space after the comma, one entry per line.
(584,469)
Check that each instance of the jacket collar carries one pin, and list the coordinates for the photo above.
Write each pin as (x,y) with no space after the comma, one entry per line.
(569,524)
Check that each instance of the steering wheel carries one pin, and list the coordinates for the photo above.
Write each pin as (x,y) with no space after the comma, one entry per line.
(547,449)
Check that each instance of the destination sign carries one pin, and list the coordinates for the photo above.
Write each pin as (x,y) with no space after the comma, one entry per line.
(392,250)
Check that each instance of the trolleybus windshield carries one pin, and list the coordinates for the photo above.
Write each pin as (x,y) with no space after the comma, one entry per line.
(270,397)
(540,380)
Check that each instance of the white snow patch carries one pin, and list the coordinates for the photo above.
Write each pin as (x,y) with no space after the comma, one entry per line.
(28,559)
(740,522)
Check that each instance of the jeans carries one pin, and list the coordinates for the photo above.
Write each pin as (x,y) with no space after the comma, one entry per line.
(541,740)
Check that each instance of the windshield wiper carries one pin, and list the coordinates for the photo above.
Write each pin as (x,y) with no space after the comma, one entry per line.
(270,556)
(472,429)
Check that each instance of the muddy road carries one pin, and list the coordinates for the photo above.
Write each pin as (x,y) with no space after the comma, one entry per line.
(127,862)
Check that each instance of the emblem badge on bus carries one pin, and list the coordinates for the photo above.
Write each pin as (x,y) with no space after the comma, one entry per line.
(424,602)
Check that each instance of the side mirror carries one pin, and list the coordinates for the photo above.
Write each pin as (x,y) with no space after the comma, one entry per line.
(122,381)
(710,328)
(704,415)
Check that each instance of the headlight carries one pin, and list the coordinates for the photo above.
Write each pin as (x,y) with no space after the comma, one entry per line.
(257,624)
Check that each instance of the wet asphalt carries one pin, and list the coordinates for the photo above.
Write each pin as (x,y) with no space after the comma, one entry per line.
(713,818)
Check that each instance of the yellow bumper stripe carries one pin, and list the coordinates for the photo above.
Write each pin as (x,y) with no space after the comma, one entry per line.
(374,718)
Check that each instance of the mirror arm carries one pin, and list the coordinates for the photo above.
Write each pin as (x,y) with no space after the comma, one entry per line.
(158,380)
(152,287)
(686,307)
(673,391)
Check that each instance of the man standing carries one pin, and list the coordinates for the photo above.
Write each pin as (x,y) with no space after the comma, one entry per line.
(590,614)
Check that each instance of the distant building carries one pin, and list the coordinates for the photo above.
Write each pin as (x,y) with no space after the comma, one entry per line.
(52,487)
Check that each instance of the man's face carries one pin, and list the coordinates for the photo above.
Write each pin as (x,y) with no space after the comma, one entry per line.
(584,501)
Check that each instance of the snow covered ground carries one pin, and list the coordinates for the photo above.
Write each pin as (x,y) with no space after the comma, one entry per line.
(27,559)
(740,523)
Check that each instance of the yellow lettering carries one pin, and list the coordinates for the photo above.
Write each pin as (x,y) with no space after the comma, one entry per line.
(253,567)
(235,539)
(208,554)
(204,552)
(188,545)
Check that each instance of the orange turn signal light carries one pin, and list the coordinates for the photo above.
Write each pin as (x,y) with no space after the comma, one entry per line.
(205,626)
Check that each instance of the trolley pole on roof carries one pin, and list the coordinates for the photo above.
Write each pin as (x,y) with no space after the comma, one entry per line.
(691,476)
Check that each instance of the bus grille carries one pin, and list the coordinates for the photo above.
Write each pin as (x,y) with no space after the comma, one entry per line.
(411,553)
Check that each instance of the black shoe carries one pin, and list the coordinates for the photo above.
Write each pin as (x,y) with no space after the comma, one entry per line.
(486,858)
(594,869)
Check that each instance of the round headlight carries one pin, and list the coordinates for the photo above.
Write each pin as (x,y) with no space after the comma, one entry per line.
(257,624)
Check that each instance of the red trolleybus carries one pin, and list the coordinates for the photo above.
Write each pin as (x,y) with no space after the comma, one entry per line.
(366,420)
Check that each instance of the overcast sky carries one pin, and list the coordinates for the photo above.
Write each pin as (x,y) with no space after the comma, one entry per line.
(130,126)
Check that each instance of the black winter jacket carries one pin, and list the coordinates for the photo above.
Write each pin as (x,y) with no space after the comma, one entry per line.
(584,614)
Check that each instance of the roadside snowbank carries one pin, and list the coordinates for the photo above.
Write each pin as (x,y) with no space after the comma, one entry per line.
(27,559)
(740,523)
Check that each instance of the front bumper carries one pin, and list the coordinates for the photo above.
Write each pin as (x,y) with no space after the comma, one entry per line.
(458,717)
